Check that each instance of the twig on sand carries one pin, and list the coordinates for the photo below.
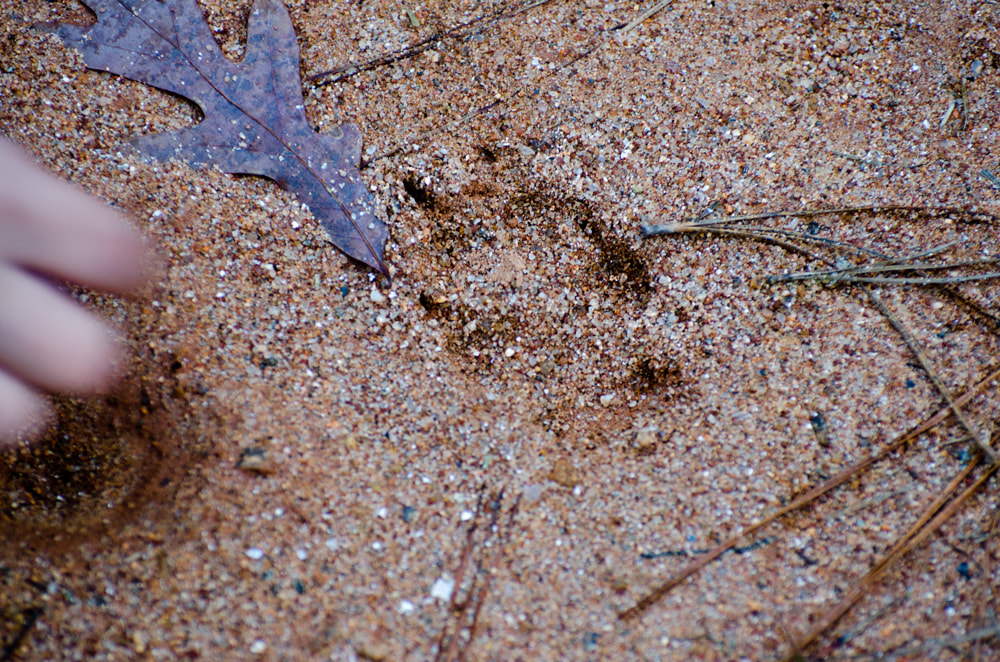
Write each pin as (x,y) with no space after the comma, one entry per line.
(466,612)
(693,225)
(691,569)
(946,504)
(641,18)
(930,521)
(857,274)
(981,438)
(850,274)
(31,616)
(909,652)
(500,100)
(460,31)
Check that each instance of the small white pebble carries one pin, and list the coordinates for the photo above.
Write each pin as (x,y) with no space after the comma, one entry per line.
(258,647)
(406,607)
(255,553)
(466,515)
(533,492)
(607,399)
(377,296)
(382,512)
(442,588)
(332,544)
(301,554)
(377,546)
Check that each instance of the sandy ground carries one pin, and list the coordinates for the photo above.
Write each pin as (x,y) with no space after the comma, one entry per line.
(542,405)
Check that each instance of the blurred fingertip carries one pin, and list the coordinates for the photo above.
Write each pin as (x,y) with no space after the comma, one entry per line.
(24,416)
(100,369)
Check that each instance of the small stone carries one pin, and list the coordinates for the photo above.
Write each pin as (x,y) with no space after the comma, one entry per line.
(646,439)
(377,297)
(257,460)
(409,512)
(255,553)
(442,588)
(258,647)
(533,492)
(376,651)
(607,399)
(565,474)
(820,429)
(806,83)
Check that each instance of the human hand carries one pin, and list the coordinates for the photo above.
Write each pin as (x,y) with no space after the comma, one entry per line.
(48,229)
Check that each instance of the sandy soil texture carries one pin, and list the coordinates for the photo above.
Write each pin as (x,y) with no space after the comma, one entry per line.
(545,415)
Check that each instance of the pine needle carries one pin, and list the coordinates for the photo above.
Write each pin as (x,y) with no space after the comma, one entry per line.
(927,524)
(841,477)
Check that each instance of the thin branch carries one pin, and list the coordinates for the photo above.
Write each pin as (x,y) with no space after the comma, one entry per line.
(466,613)
(641,18)
(695,224)
(595,43)
(712,225)
(844,276)
(31,616)
(953,280)
(981,438)
(492,569)
(917,534)
(447,654)
(890,267)
(975,636)
(663,589)
(460,31)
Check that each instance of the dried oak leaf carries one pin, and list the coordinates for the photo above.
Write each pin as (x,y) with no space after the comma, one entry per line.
(255,120)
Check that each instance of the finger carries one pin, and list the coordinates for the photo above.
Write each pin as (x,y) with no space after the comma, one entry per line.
(23,413)
(49,226)
(48,340)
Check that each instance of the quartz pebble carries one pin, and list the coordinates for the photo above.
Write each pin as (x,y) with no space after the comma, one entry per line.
(442,588)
